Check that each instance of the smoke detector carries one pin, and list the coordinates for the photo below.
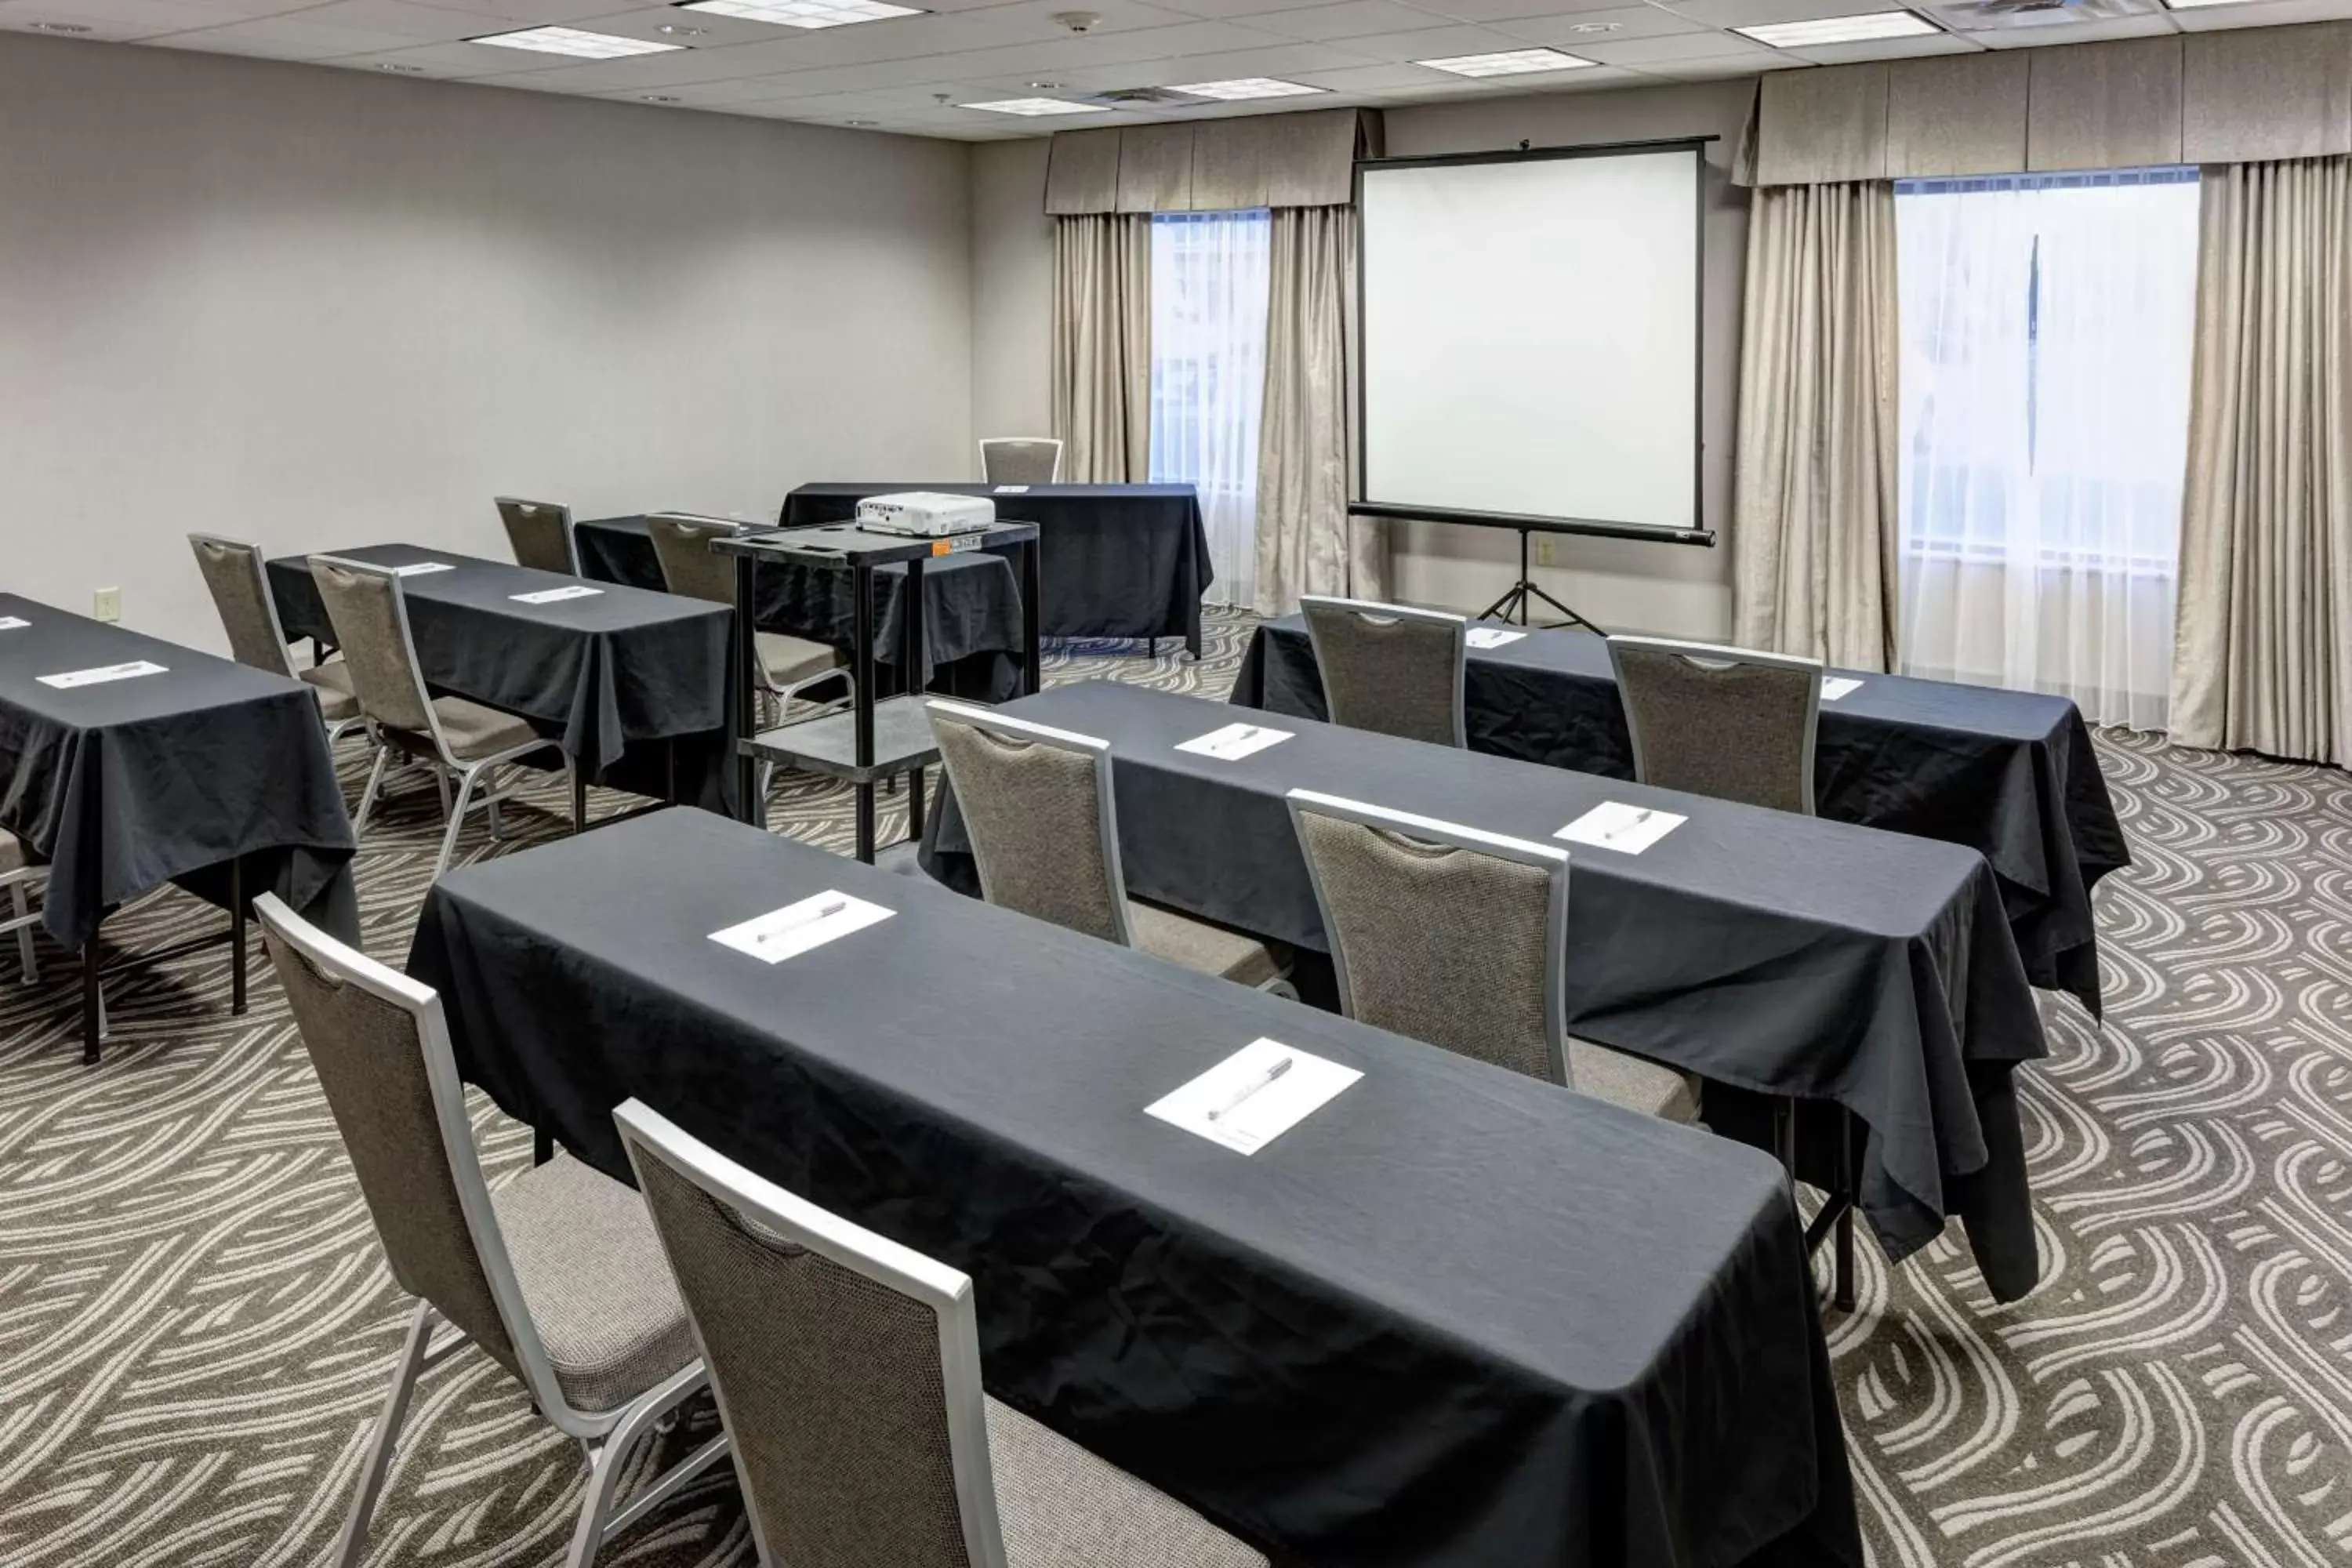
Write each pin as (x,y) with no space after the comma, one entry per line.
(1078,21)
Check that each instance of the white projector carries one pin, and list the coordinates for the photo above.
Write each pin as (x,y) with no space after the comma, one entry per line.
(925,514)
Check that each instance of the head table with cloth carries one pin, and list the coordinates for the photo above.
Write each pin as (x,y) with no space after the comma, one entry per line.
(2010,775)
(1451,1318)
(1781,955)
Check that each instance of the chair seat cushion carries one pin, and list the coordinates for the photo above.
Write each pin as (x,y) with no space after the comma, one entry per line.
(1632,1082)
(1196,944)
(472,731)
(789,659)
(1060,1507)
(332,685)
(598,1285)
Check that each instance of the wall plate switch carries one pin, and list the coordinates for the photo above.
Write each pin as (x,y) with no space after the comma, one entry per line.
(107,604)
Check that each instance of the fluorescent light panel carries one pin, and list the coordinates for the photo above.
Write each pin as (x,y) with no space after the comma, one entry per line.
(1509,62)
(2195,4)
(1243,86)
(573,41)
(1839,29)
(1034,107)
(804,12)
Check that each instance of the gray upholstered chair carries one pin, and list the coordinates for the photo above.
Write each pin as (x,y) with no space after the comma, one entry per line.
(540,531)
(848,1371)
(556,1275)
(23,876)
(1459,937)
(1020,459)
(1728,722)
(786,667)
(456,741)
(1390,668)
(1038,805)
(239,581)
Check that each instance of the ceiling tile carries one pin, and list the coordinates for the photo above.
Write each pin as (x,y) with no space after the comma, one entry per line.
(1361,18)
(1616,25)
(126,19)
(424,24)
(513,14)
(1719,67)
(1430,44)
(1373,78)
(450,62)
(292,37)
(2156,25)
(1754,13)
(1511,10)
(1646,52)
(1888,49)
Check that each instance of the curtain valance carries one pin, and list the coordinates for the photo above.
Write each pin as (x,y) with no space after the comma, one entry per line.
(2224,96)
(1302,160)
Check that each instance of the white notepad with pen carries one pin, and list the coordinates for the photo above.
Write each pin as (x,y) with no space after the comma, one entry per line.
(1490,636)
(420,568)
(554,596)
(1233,742)
(105,672)
(810,922)
(1254,1096)
(1836,685)
(10,623)
(1628,829)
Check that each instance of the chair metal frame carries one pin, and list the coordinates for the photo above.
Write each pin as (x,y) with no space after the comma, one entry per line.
(645,1133)
(443,763)
(783,696)
(604,1436)
(1054,441)
(21,884)
(1718,656)
(564,516)
(252,551)
(1549,858)
(1373,610)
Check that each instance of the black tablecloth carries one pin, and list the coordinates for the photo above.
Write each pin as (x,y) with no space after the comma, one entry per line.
(631,684)
(972,607)
(128,784)
(1118,561)
(1453,1318)
(2011,775)
(1780,955)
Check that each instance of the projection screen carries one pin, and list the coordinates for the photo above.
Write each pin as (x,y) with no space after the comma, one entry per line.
(1531,339)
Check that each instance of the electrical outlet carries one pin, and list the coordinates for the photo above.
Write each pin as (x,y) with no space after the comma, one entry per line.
(107,604)
(1543,551)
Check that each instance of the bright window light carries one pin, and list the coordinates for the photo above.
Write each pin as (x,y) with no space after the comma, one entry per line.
(1509,62)
(1034,107)
(804,12)
(573,41)
(1247,87)
(1839,29)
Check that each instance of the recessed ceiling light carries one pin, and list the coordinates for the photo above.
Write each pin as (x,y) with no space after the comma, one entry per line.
(680,30)
(1508,62)
(2193,5)
(656,98)
(573,41)
(1839,29)
(58,27)
(404,70)
(1247,87)
(805,13)
(1035,105)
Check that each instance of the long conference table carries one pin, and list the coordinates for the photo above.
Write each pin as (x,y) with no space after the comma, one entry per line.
(1783,955)
(2011,775)
(635,687)
(1116,561)
(176,767)
(1451,1318)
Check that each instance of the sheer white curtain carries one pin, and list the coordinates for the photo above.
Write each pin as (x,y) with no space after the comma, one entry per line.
(2047,327)
(1209,276)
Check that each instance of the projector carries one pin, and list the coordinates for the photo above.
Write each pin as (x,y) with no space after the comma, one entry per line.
(925,514)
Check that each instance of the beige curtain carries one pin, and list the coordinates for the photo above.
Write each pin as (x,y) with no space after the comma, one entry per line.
(1814,502)
(1307,543)
(1102,346)
(2263,655)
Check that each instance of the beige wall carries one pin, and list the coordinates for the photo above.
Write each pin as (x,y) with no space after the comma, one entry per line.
(1622,584)
(322,308)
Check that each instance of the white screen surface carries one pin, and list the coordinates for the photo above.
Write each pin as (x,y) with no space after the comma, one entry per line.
(1531,336)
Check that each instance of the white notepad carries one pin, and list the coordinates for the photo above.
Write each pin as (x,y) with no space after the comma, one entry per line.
(1628,829)
(422,567)
(72,678)
(10,623)
(1011,490)
(1254,1096)
(1491,636)
(551,596)
(797,927)
(1836,685)
(1235,741)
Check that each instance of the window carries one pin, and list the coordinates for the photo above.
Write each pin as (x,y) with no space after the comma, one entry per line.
(1209,281)
(2046,331)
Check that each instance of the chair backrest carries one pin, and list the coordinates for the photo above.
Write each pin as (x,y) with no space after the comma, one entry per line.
(380,1048)
(370,614)
(239,581)
(1728,722)
(1020,459)
(847,1367)
(1390,668)
(682,546)
(1441,932)
(1038,805)
(541,534)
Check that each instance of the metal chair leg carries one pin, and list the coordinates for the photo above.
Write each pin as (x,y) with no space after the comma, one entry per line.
(441,783)
(374,788)
(25,957)
(386,1441)
(456,820)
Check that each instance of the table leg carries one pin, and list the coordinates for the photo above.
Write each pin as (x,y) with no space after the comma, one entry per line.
(1843,1296)
(669,771)
(237,935)
(915,805)
(542,1146)
(579,798)
(89,1008)
(862,709)
(1032,576)
(747,803)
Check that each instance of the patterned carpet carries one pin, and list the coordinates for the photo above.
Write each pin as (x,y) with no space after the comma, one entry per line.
(195,1323)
